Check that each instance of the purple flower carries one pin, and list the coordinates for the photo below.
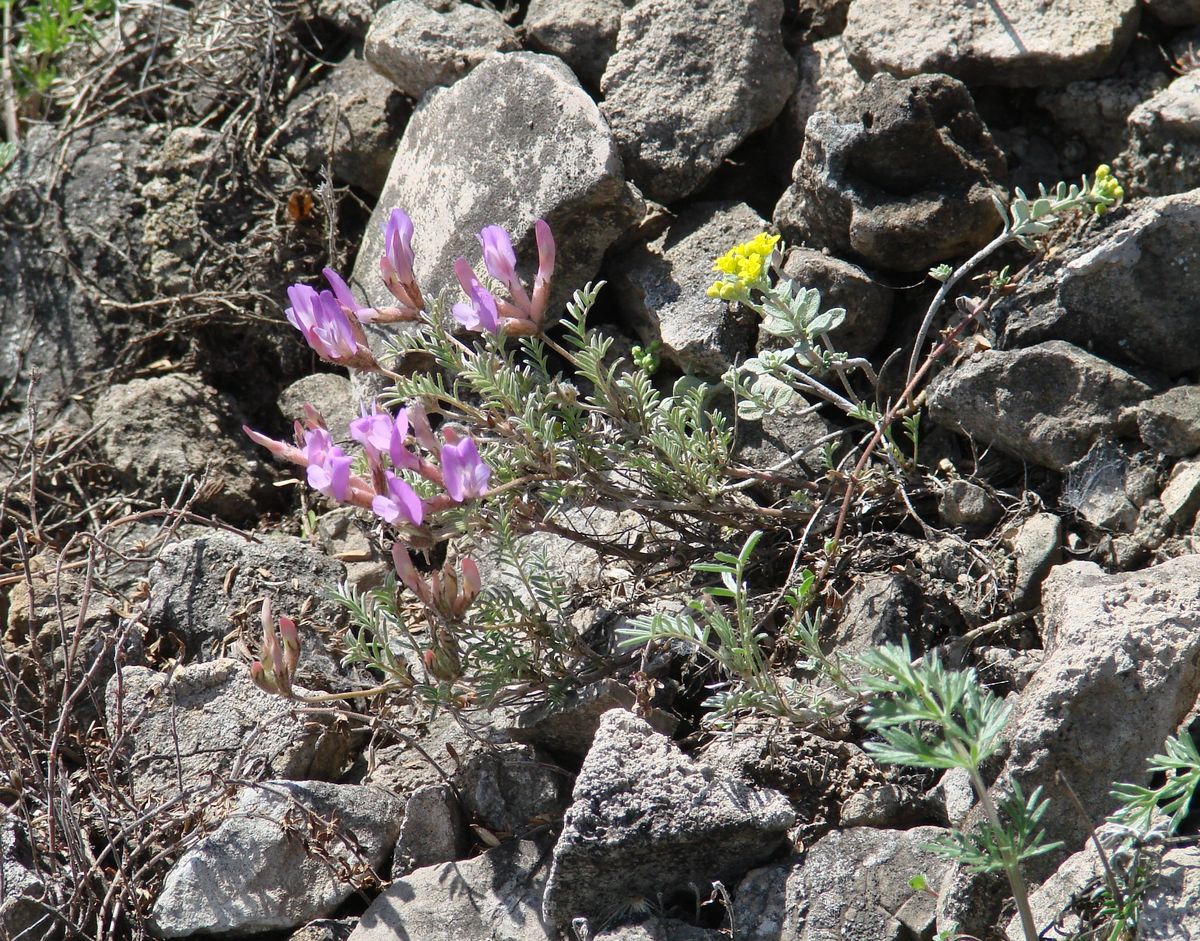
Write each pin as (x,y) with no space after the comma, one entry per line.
(379,433)
(501,263)
(545,272)
(463,472)
(401,502)
(480,313)
(341,291)
(324,323)
(396,264)
(328,465)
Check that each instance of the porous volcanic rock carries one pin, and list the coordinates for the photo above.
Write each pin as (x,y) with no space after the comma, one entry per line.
(583,33)
(1163,154)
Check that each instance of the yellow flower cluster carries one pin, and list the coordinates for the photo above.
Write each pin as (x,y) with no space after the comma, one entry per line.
(743,266)
(1106,188)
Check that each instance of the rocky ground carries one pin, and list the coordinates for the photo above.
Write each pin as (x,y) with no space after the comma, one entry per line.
(195,160)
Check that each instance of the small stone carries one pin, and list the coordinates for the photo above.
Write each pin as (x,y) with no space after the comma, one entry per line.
(511,789)
(1046,404)
(1170,422)
(647,820)
(433,830)
(417,44)
(689,82)
(256,873)
(879,609)
(964,503)
(352,17)
(496,896)
(954,795)
(20,914)
(1050,902)
(1181,496)
(662,285)
(881,806)
(1095,488)
(1171,908)
(1036,548)
(583,33)
(1027,44)
(345,537)
(429,752)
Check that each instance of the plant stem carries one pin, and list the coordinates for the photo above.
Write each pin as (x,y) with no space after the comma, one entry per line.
(1012,864)
(12,128)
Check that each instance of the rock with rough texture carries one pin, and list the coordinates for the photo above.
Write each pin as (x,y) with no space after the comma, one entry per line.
(346,537)
(879,609)
(964,503)
(568,727)
(496,896)
(330,394)
(689,82)
(1175,12)
(158,432)
(1171,908)
(512,789)
(1017,43)
(363,113)
(204,586)
(1181,496)
(1049,901)
(1125,293)
(1170,422)
(788,441)
(1163,154)
(433,830)
(20,914)
(1036,548)
(352,17)
(428,754)
(868,304)
(901,176)
(647,820)
(851,885)
(547,154)
(1095,488)
(1046,404)
(583,33)
(661,286)
(417,44)
(656,928)
(202,722)
(258,870)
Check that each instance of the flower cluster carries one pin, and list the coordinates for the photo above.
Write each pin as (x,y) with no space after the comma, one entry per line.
(522,313)
(743,268)
(280,654)
(1106,191)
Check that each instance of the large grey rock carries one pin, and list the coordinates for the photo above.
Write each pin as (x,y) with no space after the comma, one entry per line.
(1163,153)
(22,891)
(1125,293)
(689,82)
(1171,908)
(547,154)
(648,820)
(208,721)
(259,870)
(583,33)
(203,586)
(417,44)
(496,896)
(510,790)
(156,433)
(901,176)
(1046,404)
(851,885)
(352,120)
(1170,422)
(661,286)
(1021,42)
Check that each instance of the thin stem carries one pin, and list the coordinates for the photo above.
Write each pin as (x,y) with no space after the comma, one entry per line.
(1012,865)
(12,128)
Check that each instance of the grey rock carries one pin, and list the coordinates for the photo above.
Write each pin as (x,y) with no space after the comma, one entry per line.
(331,395)
(851,885)
(326,929)
(954,796)
(1171,909)
(1050,902)
(49,324)
(363,113)
(430,753)
(659,929)
(1170,422)
(1123,293)
(1175,12)
(1046,404)
(345,537)
(206,721)
(547,154)
(583,33)
(21,889)
(568,727)
(171,226)
(964,503)
(868,304)
(256,871)
(661,286)
(1024,44)
(433,830)
(901,176)
(879,609)
(352,17)
(1181,497)
(646,819)
(1163,154)
(156,433)
(881,806)
(689,82)
(1036,548)
(417,44)
(511,789)
(1096,490)
(1005,670)
(788,440)
(496,896)
(202,586)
